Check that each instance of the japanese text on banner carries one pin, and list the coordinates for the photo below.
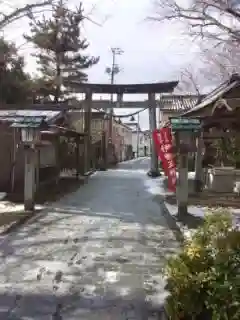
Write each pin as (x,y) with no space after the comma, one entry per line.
(163,142)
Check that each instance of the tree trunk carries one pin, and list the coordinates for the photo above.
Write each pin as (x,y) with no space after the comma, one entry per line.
(58,83)
(237,165)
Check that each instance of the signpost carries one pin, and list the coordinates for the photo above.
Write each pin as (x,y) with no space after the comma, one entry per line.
(182,128)
(183,124)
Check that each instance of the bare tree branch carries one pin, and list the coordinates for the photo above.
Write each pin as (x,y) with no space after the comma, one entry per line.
(189,81)
(220,62)
(216,19)
(32,9)
(16,14)
(214,66)
(217,22)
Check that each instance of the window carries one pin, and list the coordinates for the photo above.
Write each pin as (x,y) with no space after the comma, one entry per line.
(93,124)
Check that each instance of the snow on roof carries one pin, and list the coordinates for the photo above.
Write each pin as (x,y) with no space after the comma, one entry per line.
(11,115)
(178,102)
(216,93)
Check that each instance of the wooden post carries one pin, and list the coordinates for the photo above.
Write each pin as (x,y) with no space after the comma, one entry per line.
(57,157)
(84,170)
(77,157)
(37,155)
(87,130)
(81,156)
(104,152)
(154,172)
(198,164)
(182,184)
(29,179)
(14,160)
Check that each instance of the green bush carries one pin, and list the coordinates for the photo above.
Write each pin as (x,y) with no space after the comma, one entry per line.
(203,280)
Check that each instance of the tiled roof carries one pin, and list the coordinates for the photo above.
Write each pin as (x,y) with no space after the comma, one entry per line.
(15,115)
(216,94)
(179,103)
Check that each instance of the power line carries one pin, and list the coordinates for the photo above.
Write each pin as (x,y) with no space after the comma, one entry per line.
(130,114)
(123,116)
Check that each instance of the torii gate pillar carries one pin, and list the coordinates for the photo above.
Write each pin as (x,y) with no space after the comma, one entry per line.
(87,131)
(154,171)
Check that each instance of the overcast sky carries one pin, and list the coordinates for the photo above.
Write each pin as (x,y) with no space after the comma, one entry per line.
(152,52)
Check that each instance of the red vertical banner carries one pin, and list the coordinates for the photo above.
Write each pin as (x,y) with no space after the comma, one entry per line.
(164,146)
(159,142)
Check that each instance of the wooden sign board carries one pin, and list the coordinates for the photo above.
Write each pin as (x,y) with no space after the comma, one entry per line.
(184,124)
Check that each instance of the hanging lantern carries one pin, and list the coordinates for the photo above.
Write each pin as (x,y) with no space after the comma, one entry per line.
(29,134)
(30,128)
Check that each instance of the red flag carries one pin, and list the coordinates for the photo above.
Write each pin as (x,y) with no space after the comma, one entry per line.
(164,147)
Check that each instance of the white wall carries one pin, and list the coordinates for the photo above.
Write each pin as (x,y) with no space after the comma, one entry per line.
(144,141)
(126,133)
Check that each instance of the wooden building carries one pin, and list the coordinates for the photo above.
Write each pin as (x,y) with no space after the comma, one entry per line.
(51,158)
(172,105)
(219,112)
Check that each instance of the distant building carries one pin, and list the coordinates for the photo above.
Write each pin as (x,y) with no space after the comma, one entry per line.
(147,141)
(140,140)
(121,134)
(124,147)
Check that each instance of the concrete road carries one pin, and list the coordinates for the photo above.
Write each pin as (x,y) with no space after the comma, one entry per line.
(98,253)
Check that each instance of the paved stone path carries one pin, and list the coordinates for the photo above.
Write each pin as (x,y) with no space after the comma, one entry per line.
(97,253)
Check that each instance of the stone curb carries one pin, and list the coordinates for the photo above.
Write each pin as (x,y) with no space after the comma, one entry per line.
(176,229)
(172,223)
(89,173)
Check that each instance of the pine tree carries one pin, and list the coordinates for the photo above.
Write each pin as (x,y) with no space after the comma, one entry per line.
(61,49)
(15,84)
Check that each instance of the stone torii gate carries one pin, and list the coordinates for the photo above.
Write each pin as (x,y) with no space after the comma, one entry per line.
(151,89)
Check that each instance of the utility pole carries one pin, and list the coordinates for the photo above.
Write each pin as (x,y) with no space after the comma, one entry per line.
(113,70)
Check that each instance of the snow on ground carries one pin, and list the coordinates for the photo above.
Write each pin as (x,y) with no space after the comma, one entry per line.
(9,207)
(97,253)
(156,187)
